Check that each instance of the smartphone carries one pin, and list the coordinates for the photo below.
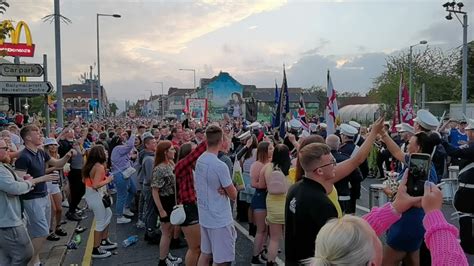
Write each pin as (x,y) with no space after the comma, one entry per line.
(418,171)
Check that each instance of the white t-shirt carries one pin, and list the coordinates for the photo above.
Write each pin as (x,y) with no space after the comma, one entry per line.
(210,174)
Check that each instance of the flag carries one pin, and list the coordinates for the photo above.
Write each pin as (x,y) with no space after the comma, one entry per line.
(331,107)
(396,116)
(302,109)
(276,109)
(407,113)
(283,104)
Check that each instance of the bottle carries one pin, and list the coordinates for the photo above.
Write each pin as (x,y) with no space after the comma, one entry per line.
(130,241)
(77,239)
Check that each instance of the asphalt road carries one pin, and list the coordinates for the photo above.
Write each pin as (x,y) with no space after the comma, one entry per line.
(143,253)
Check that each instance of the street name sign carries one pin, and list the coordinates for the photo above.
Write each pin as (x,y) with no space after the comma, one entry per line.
(31,87)
(24,70)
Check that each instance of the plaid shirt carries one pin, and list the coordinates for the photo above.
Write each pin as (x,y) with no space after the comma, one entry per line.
(185,177)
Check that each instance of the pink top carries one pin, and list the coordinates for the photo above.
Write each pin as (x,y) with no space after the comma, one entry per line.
(440,236)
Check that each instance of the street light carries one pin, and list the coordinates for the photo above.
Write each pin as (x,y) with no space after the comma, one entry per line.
(99,95)
(162,100)
(455,8)
(411,67)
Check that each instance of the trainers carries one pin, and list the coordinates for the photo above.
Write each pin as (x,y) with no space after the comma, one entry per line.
(258,260)
(65,204)
(107,244)
(73,217)
(99,253)
(60,232)
(140,224)
(127,212)
(123,220)
(53,237)
(173,260)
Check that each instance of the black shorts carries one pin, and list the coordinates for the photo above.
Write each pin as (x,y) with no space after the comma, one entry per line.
(192,216)
(168,203)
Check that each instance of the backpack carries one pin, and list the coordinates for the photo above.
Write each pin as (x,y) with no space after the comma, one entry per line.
(277,183)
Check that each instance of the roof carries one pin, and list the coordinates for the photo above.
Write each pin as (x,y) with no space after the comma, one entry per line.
(179,92)
(79,88)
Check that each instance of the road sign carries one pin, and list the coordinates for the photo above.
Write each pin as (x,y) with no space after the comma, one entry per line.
(31,87)
(24,70)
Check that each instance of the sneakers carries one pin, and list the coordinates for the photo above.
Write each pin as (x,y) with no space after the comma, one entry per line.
(107,244)
(258,260)
(140,224)
(172,260)
(99,253)
(53,237)
(65,204)
(127,212)
(123,220)
(73,217)
(60,232)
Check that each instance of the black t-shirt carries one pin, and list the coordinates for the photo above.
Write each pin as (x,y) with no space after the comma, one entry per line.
(307,209)
(35,165)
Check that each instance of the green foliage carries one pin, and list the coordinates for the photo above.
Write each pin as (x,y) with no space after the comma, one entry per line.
(470,69)
(113,109)
(431,66)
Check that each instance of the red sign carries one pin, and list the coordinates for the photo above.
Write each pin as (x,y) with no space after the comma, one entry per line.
(21,49)
(15,48)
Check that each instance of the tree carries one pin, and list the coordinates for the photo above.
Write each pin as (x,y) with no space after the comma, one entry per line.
(470,69)
(321,95)
(113,109)
(433,67)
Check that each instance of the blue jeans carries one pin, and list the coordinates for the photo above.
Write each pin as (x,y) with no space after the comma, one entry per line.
(125,192)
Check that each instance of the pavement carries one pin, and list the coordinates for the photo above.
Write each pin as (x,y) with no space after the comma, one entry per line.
(142,253)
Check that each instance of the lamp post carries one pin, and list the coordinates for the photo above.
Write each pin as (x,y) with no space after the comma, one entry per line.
(455,8)
(99,94)
(151,101)
(162,99)
(411,67)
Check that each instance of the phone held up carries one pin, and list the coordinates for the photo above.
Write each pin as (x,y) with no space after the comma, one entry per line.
(418,172)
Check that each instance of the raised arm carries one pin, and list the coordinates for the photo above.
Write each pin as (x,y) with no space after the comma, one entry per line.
(393,148)
(346,167)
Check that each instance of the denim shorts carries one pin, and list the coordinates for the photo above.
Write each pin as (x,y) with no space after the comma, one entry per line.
(259,200)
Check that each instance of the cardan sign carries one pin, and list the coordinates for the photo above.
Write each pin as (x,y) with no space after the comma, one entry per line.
(15,48)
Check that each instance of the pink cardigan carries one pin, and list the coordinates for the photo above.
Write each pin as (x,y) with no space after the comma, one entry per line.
(440,236)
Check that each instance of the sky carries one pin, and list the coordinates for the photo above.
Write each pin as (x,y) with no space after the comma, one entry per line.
(250,39)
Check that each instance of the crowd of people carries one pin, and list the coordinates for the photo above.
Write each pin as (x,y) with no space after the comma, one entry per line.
(186,178)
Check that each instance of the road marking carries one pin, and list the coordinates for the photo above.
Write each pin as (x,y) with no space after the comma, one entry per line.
(86,261)
(362,208)
(251,238)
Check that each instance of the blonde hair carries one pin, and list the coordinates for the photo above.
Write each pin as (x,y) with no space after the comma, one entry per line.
(344,241)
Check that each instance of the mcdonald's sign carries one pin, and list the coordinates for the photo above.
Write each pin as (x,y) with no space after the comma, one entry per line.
(15,48)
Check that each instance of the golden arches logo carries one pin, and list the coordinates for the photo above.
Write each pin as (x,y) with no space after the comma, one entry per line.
(15,48)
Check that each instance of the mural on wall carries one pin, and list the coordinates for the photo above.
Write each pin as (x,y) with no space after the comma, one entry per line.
(225,97)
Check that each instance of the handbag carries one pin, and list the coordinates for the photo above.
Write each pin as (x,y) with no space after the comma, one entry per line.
(127,173)
(178,215)
(107,201)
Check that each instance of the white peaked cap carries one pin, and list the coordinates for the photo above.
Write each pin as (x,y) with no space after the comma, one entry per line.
(348,130)
(354,124)
(426,119)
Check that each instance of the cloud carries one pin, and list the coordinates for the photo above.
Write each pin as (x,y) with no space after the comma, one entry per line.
(177,25)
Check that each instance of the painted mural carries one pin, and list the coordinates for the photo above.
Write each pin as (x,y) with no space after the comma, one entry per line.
(225,97)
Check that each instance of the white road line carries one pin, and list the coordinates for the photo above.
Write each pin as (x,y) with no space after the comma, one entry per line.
(362,208)
(251,238)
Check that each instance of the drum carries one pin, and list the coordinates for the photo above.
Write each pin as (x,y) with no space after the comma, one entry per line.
(449,188)
(453,172)
(376,195)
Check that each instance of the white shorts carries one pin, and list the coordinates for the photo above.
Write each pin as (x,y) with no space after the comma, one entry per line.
(53,188)
(220,242)
(102,215)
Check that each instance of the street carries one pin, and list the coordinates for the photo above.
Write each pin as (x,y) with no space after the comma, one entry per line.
(143,253)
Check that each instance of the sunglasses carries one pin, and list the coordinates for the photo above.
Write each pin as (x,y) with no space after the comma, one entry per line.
(333,163)
(5,148)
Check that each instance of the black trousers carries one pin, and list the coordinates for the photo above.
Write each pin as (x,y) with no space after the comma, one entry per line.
(466,233)
(77,188)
